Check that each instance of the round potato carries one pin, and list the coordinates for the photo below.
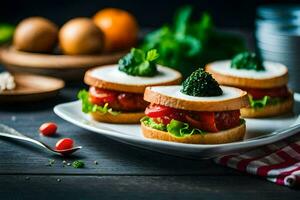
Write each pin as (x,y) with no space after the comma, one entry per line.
(80,36)
(35,34)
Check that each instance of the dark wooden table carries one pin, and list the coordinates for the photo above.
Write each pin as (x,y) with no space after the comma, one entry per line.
(122,172)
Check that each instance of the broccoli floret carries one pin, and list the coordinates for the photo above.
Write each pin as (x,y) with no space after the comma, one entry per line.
(139,63)
(201,84)
(248,61)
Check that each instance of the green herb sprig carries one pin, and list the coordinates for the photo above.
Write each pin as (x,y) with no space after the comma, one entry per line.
(185,44)
(139,63)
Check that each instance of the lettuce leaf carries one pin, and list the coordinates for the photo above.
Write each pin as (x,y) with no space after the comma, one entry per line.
(175,127)
(88,107)
(260,103)
(181,129)
(152,124)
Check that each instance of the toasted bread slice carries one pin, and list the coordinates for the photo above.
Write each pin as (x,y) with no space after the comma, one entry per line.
(121,118)
(109,77)
(269,110)
(232,99)
(276,75)
(226,136)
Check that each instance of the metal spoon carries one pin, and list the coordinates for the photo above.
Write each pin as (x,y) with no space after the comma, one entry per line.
(8,132)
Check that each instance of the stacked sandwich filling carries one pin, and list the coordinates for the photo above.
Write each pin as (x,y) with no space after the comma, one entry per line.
(116,100)
(181,122)
(261,97)
(199,106)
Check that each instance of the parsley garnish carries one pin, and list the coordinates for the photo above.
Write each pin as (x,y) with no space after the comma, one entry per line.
(139,63)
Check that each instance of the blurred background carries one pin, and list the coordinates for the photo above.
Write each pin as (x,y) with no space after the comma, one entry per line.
(185,38)
(154,13)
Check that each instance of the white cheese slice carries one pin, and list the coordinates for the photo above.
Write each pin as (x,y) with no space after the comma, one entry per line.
(111,73)
(273,69)
(174,92)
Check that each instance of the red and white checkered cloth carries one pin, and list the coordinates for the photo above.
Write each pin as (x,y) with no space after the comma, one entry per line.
(278,162)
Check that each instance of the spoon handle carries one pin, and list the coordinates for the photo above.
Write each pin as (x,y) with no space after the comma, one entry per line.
(28,139)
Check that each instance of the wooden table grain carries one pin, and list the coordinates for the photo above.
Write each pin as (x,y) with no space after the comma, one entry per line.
(122,172)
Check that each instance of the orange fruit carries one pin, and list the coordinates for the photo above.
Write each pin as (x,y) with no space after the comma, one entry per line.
(120,28)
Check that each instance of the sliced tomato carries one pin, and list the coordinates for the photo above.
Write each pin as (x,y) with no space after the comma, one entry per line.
(102,96)
(203,120)
(155,111)
(164,114)
(271,92)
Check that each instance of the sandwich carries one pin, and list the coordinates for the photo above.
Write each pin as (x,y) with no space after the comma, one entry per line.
(199,111)
(265,83)
(116,91)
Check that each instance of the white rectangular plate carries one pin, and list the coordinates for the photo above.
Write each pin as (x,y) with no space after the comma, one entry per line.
(131,134)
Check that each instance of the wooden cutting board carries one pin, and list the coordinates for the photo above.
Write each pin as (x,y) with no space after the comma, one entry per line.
(66,67)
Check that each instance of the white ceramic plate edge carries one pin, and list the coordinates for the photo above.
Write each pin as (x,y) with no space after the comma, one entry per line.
(60,110)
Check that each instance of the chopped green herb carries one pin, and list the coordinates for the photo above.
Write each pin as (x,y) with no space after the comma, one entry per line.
(88,107)
(78,164)
(201,84)
(139,63)
(248,61)
(51,162)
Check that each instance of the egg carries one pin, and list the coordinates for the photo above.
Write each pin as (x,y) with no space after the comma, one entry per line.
(35,34)
(80,36)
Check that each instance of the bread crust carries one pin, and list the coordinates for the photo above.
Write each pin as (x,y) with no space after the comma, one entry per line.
(222,105)
(269,110)
(248,82)
(121,118)
(226,136)
(96,82)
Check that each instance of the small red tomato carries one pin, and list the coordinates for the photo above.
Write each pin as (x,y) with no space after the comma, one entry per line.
(65,143)
(48,129)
